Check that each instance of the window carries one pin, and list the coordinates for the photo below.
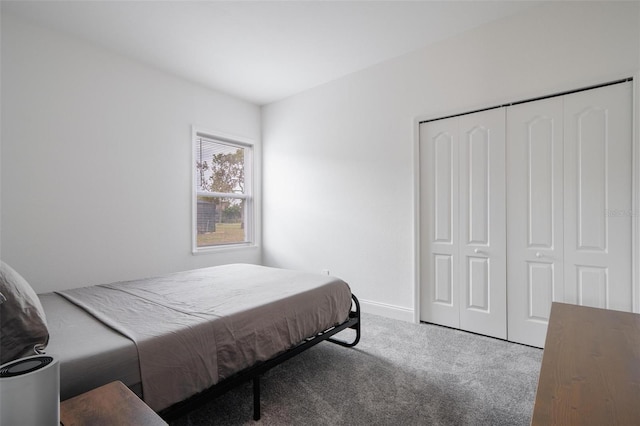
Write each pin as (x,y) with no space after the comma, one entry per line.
(222,196)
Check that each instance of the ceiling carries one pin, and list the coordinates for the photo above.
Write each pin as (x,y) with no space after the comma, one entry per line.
(262,51)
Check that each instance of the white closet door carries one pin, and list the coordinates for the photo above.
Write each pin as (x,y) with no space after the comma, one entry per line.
(482,223)
(439,216)
(534,217)
(598,164)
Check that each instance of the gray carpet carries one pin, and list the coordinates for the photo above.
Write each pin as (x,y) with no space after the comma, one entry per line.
(399,374)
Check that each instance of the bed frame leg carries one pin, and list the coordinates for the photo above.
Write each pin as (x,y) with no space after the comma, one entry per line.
(256,398)
(356,327)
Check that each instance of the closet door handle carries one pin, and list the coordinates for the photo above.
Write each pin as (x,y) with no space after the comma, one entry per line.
(478,251)
(538,255)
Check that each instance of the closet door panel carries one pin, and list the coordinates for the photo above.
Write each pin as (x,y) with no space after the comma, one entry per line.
(598,184)
(477,163)
(592,286)
(439,268)
(479,283)
(535,220)
(482,223)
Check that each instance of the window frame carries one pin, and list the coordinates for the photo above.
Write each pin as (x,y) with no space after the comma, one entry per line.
(249,195)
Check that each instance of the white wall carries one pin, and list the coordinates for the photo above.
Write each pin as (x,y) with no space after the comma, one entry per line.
(339,159)
(96,161)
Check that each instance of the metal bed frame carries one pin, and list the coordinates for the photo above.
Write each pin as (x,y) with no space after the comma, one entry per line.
(254,372)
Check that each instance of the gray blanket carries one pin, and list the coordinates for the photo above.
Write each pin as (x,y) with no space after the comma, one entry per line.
(195,328)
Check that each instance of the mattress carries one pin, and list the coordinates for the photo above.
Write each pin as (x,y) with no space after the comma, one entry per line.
(195,328)
(90,353)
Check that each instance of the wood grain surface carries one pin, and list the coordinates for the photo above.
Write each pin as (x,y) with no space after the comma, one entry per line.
(111,404)
(590,372)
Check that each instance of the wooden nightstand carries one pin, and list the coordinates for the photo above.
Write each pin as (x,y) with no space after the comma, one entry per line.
(111,404)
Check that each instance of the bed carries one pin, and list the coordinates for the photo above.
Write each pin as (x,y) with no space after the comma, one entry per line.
(183,338)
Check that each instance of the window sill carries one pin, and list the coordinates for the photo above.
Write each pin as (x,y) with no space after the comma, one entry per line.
(225,248)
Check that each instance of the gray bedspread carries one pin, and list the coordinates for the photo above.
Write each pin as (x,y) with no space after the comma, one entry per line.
(195,328)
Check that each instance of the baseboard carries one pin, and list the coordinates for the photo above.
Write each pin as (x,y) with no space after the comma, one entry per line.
(386,310)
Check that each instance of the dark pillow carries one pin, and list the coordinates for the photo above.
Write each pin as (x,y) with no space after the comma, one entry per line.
(23,326)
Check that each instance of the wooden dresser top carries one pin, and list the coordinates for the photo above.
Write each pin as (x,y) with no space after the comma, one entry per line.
(590,372)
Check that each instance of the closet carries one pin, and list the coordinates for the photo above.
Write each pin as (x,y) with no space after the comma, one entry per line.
(523,205)
(463,222)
